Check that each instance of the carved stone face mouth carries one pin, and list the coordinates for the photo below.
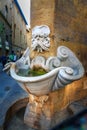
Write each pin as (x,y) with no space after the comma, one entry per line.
(40,38)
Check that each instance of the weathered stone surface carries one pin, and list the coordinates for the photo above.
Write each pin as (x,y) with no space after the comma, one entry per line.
(69,19)
(36,115)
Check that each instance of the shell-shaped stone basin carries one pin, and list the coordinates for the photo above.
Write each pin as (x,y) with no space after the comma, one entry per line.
(37,85)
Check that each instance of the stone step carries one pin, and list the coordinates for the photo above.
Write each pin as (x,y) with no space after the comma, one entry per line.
(75,108)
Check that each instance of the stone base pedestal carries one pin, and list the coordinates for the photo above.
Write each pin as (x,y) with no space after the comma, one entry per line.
(36,115)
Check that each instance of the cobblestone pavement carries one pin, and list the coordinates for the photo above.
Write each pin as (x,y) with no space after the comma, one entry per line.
(17,122)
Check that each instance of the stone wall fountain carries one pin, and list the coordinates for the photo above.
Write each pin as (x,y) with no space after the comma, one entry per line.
(60,70)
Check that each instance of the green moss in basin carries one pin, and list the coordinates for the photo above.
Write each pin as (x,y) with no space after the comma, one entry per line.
(35,71)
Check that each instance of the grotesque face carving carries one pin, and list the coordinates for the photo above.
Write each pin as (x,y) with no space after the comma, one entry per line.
(40,38)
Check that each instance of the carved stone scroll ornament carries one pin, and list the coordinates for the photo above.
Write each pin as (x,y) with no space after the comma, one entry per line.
(73,68)
(52,63)
(40,38)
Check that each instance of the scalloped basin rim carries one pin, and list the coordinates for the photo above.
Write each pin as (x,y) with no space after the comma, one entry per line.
(31,79)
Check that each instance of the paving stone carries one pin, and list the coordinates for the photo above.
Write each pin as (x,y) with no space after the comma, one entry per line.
(10,93)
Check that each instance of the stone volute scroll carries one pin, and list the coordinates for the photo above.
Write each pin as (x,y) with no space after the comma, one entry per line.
(40,38)
(73,69)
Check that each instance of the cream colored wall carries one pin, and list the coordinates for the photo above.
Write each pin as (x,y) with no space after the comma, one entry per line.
(13,17)
(20,41)
(29,39)
(6,20)
(8,15)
